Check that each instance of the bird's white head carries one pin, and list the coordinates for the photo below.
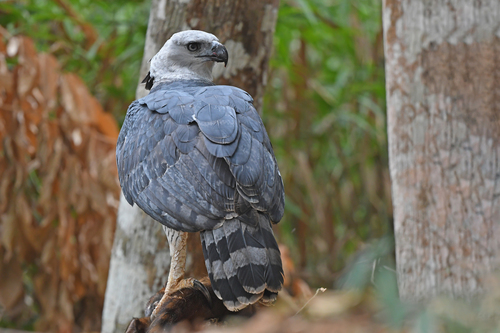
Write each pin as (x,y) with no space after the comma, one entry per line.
(186,55)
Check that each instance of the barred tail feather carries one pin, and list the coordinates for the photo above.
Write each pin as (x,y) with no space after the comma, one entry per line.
(273,270)
(211,255)
(268,298)
(225,286)
(243,262)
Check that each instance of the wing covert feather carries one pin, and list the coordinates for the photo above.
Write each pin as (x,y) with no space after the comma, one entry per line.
(252,162)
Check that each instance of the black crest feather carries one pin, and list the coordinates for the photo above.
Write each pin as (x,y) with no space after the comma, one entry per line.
(148,80)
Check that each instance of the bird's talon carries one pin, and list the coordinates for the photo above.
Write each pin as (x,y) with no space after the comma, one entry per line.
(162,296)
(201,287)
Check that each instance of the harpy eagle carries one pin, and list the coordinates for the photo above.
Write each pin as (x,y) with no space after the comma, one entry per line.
(195,156)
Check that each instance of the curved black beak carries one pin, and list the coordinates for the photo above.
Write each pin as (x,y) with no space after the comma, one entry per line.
(216,53)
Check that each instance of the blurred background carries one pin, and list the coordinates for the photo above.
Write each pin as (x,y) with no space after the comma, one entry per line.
(324,109)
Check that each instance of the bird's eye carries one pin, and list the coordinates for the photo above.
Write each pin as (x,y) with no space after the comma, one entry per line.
(193,47)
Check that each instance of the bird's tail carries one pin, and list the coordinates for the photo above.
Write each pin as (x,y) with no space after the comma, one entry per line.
(243,262)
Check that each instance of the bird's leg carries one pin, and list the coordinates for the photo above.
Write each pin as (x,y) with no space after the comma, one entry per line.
(177,241)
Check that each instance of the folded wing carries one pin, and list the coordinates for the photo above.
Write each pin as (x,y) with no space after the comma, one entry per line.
(193,156)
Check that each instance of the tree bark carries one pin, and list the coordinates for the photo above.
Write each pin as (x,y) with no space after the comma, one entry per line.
(140,258)
(443,97)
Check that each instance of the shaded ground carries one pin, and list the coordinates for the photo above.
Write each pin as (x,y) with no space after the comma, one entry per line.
(324,312)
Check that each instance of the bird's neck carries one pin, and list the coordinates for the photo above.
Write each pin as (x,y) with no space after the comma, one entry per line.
(175,73)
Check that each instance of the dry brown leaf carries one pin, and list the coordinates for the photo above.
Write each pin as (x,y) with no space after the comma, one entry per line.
(11,288)
(9,229)
(46,291)
(59,188)
(27,73)
(49,79)
(75,99)
(105,122)
(6,84)
(48,255)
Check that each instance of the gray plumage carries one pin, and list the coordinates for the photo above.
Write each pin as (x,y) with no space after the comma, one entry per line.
(196,157)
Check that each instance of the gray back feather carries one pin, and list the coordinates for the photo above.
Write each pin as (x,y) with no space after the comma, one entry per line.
(192,154)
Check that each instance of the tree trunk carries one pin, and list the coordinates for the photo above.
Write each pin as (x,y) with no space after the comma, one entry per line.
(443,100)
(140,259)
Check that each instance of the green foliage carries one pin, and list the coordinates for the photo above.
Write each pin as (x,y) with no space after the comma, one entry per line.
(109,63)
(325,112)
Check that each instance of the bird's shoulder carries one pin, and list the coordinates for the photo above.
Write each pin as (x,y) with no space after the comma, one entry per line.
(186,91)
